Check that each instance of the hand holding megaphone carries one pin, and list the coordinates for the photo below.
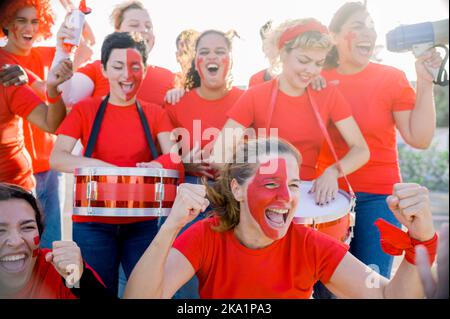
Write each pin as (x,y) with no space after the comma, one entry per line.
(428,65)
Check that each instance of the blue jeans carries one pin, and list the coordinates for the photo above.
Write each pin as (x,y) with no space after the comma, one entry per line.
(190,289)
(365,244)
(50,191)
(104,247)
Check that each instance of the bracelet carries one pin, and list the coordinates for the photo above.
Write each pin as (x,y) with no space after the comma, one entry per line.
(53,100)
(394,242)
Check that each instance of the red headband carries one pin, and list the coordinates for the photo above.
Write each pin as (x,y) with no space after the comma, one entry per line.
(294,32)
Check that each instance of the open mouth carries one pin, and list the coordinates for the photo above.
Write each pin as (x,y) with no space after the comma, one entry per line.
(364,48)
(277,217)
(126,87)
(13,263)
(27,37)
(212,69)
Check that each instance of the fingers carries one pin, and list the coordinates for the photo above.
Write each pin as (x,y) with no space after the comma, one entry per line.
(392,202)
(64,254)
(324,195)
(193,196)
(13,75)
(49,257)
(424,268)
(152,164)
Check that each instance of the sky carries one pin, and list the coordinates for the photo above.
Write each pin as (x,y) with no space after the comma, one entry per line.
(246,16)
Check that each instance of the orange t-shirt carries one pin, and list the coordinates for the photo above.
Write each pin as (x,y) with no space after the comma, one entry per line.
(16,102)
(210,114)
(121,139)
(38,143)
(288,268)
(293,117)
(374,95)
(153,89)
(260,77)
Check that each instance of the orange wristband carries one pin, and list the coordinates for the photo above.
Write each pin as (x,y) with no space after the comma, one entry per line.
(53,100)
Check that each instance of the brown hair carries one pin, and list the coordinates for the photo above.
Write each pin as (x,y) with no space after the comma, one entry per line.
(243,167)
(9,191)
(339,19)
(119,11)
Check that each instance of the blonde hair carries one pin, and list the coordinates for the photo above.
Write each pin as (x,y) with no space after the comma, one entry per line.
(120,9)
(307,40)
(244,165)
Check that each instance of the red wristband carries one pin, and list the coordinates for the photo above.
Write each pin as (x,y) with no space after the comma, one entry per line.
(394,242)
(53,100)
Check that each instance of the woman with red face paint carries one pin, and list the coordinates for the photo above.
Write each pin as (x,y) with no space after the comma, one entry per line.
(382,100)
(89,81)
(25,22)
(29,272)
(251,248)
(299,49)
(122,141)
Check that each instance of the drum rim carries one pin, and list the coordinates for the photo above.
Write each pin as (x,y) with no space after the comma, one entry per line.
(325,218)
(126,171)
(121,212)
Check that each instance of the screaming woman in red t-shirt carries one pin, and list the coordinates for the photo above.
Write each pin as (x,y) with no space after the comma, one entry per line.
(29,272)
(121,141)
(382,102)
(251,248)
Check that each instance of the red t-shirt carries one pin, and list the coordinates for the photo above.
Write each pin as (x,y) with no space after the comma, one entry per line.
(286,269)
(16,102)
(38,143)
(258,78)
(153,90)
(45,283)
(293,117)
(374,94)
(121,140)
(210,113)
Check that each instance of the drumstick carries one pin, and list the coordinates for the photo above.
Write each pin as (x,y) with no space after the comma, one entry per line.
(66,223)
(88,34)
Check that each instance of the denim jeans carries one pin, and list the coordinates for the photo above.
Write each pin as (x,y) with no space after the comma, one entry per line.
(50,191)
(104,247)
(365,244)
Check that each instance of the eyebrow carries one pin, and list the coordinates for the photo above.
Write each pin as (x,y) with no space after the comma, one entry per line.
(24,222)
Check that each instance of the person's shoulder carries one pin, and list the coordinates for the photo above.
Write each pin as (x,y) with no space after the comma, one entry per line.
(91,103)
(150,107)
(158,70)
(384,69)
(44,50)
(237,91)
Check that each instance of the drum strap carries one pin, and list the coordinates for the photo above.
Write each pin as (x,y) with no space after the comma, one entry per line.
(322,126)
(98,121)
(328,139)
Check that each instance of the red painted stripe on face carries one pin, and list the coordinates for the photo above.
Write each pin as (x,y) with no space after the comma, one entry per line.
(349,38)
(199,61)
(37,240)
(226,66)
(135,69)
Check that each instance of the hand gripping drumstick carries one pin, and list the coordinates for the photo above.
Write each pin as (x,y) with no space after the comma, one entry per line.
(88,35)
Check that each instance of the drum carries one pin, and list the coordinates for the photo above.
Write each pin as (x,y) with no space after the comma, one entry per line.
(335,219)
(124,192)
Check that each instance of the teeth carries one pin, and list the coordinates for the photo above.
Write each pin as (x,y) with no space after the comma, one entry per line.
(212,66)
(13,258)
(279,211)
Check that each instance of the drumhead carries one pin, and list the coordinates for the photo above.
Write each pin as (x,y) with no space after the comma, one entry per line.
(126,171)
(309,213)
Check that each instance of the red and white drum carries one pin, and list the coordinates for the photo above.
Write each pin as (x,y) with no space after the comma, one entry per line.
(124,192)
(335,219)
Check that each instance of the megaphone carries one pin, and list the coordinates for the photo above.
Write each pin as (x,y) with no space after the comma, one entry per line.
(419,38)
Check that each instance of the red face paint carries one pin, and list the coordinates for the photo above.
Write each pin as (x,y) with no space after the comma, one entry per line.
(270,191)
(135,69)
(226,66)
(349,38)
(37,241)
(199,61)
